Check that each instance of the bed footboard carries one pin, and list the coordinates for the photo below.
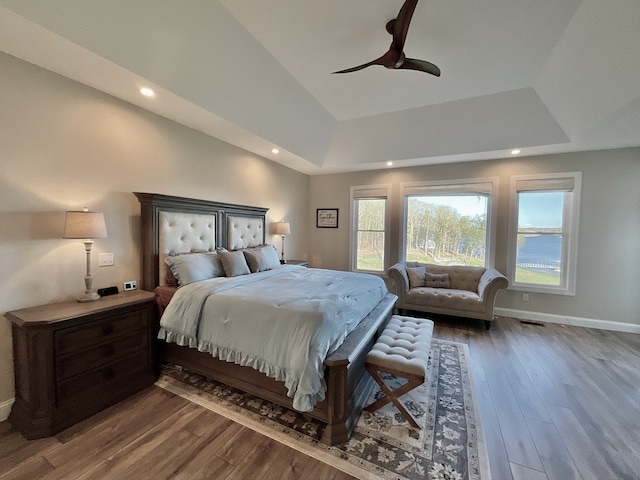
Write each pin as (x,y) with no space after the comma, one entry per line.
(348,383)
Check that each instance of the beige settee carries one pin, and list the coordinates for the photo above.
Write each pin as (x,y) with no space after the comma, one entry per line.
(459,291)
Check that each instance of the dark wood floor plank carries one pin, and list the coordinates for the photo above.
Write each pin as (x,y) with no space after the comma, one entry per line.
(159,464)
(203,451)
(521,472)
(239,445)
(204,423)
(555,364)
(83,453)
(530,403)
(582,449)
(519,339)
(321,471)
(16,450)
(146,443)
(145,399)
(517,439)
(603,377)
(498,459)
(258,461)
(112,430)
(34,467)
(554,455)
(615,445)
(214,467)
(288,465)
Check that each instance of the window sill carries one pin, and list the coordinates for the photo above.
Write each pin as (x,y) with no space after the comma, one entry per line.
(519,287)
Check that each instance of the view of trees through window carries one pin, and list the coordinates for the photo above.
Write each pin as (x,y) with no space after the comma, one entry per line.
(446,230)
(370,242)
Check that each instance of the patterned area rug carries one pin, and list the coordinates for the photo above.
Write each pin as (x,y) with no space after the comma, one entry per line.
(384,446)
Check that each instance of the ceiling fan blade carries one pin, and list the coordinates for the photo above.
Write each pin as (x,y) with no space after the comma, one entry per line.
(355,69)
(420,65)
(386,60)
(401,24)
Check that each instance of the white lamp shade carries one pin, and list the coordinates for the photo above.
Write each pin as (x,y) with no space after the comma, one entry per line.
(85,225)
(283,228)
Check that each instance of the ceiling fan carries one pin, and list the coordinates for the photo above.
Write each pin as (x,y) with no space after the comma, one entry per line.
(395,58)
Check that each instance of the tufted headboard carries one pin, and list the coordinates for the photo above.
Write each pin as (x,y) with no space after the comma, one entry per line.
(171,225)
(243,232)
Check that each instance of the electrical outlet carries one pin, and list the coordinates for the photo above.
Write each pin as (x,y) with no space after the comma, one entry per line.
(525,297)
(131,285)
(105,259)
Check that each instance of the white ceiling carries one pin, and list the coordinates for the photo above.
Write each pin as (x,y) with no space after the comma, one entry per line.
(545,76)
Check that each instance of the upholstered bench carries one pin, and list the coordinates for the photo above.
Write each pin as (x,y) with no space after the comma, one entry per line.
(402,350)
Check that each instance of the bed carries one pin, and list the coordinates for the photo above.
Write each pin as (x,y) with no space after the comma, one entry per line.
(172,225)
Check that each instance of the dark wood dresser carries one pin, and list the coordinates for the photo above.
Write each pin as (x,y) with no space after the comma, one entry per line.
(72,359)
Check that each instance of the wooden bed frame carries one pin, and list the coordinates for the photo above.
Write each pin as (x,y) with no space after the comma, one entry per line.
(348,384)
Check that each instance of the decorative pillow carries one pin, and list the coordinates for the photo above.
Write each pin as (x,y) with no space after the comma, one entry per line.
(261,259)
(170,279)
(436,280)
(416,276)
(234,263)
(193,267)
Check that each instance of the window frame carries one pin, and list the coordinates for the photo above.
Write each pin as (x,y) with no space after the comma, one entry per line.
(570,230)
(369,192)
(452,188)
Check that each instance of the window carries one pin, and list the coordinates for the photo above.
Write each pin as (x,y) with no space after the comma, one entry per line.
(543,237)
(369,246)
(449,223)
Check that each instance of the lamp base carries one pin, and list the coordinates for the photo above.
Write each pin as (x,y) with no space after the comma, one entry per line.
(89,296)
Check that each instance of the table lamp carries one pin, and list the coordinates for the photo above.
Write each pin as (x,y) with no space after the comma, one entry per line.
(86,225)
(283,228)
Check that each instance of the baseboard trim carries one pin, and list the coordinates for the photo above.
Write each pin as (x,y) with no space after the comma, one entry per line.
(5,409)
(566,320)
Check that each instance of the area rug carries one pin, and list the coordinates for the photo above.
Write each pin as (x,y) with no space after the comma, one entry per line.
(450,445)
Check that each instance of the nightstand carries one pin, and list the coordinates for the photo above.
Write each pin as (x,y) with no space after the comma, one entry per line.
(73,359)
(304,263)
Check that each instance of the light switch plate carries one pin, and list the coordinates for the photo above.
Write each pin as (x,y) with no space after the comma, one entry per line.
(105,259)
(131,285)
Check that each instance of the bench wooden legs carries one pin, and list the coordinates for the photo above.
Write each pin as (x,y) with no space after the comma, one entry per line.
(393,395)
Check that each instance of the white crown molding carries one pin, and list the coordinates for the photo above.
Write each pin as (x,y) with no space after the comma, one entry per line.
(566,320)
(5,409)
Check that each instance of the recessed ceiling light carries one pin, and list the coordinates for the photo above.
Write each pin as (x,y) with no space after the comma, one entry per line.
(147,92)
(515,151)
(389,163)
(275,150)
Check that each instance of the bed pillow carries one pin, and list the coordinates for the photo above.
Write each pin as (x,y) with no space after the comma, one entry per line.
(170,279)
(261,259)
(234,263)
(193,267)
(436,280)
(416,276)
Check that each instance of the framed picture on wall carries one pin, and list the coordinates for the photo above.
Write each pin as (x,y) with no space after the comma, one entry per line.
(327,218)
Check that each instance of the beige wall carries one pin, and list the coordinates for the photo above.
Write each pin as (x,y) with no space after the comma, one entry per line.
(608,282)
(64,146)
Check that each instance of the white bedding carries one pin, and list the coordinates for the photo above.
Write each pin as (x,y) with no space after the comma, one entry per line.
(282,322)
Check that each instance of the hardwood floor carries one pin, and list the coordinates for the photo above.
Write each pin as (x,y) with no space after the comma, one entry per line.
(556,403)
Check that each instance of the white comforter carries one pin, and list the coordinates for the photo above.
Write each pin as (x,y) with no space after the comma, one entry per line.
(282,322)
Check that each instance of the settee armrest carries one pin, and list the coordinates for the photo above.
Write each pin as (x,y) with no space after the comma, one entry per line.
(490,282)
(398,273)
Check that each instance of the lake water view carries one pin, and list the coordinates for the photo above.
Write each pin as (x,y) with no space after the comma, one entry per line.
(540,252)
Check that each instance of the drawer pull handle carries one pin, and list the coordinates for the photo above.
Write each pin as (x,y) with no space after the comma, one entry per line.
(107,328)
(108,373)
